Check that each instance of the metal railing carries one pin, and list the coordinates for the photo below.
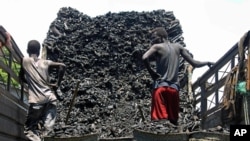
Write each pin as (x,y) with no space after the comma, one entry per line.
(10,60)
(208,89)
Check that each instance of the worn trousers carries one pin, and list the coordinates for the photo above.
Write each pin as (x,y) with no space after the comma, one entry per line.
(40,118)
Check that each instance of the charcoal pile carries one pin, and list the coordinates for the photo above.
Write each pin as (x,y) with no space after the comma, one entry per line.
(103,54)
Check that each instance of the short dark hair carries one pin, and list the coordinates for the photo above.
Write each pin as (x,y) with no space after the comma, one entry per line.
(160,31)
(33,47)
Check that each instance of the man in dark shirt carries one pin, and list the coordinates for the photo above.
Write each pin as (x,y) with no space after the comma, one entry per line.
(165,96)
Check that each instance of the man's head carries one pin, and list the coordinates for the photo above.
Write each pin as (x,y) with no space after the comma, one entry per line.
(5,38)
(158,34)
(33,47)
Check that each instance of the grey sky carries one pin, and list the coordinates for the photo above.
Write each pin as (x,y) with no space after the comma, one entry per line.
(211,27)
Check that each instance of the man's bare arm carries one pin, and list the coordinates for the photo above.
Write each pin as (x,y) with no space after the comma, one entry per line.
(61,67)
(145,59)
(185,54)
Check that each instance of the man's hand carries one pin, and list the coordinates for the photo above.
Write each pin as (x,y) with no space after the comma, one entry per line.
(57,91)
(210,64)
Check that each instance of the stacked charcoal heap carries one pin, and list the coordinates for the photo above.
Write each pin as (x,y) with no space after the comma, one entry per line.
(104,54)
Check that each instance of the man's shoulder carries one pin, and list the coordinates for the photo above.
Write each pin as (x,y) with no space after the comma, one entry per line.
(176,44)
(46,61)
(160,45)
(26,59)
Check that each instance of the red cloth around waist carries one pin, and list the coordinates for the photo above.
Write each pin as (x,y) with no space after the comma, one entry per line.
(165,104)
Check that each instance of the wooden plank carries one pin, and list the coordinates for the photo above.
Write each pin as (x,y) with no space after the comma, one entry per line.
(10,127)
(11,110)
(11,97)
(12,118)
(248,72)
(7,138)
(4,137)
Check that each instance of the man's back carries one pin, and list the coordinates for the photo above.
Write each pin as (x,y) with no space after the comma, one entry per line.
(167,61)
(38,79)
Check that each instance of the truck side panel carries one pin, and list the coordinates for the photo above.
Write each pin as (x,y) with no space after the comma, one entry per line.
(12,118)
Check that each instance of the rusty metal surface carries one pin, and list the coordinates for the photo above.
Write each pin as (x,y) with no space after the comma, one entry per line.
(118,139)
(192,136)
(207,136)
(89,137)
(140,135)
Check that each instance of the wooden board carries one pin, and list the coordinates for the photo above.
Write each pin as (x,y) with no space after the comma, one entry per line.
(12,118)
